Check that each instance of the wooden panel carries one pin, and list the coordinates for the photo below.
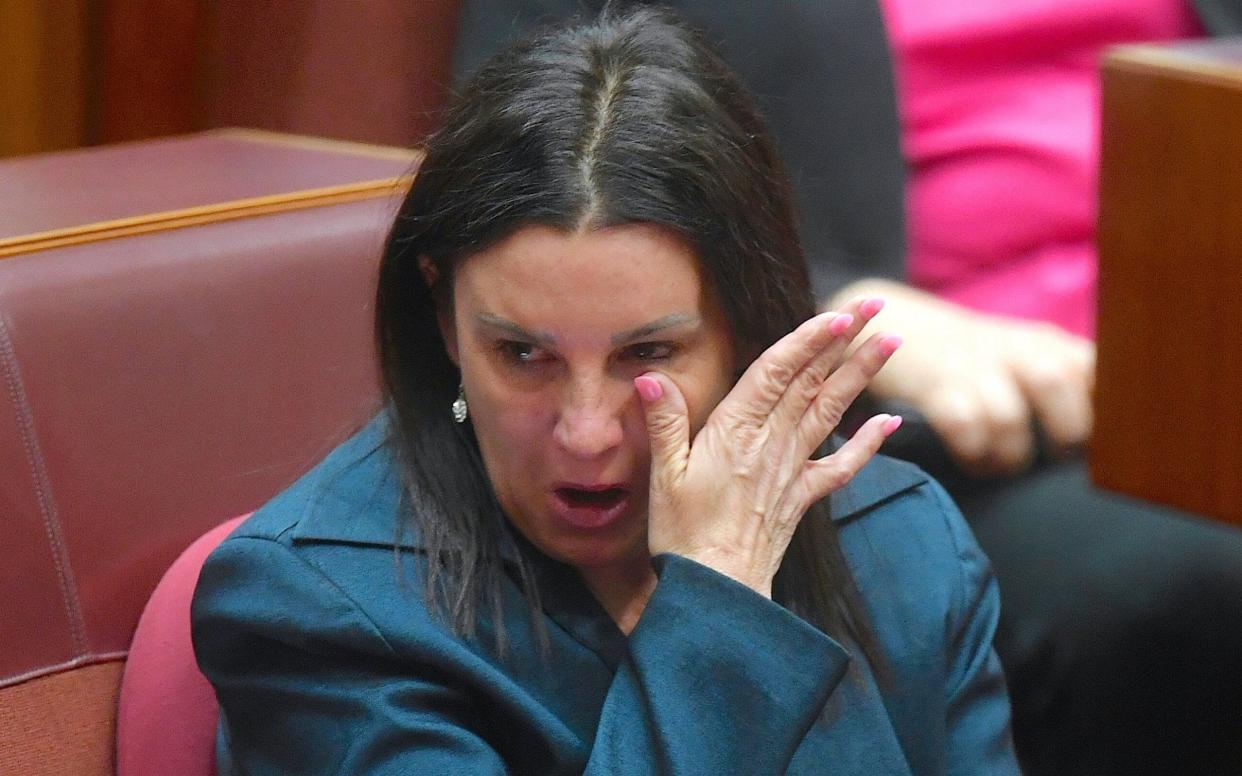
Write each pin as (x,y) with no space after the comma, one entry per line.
(44,47)
(1169,387)
(149,83)
(374,72)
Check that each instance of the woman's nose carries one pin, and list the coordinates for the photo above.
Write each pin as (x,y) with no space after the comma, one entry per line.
(590,421)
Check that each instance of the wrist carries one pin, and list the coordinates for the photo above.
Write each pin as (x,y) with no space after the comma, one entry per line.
(744,571)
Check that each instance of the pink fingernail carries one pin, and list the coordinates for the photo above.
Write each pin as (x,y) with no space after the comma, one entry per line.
(889,344)
(891,425)
(841,324)
(870,307)
(648,387)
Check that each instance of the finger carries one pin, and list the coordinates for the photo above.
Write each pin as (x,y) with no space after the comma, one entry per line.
(1059,394)
(851,318)
(825,475)
(1010,443)
(668,427)
(840,390)
(765,381)
(955,414)
(768,380)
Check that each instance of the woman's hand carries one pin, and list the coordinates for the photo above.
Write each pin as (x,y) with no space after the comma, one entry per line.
(732,499)
(979,379)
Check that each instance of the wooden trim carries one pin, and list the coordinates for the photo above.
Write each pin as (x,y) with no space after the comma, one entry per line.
(206,214)
(1198,66)
(309,143)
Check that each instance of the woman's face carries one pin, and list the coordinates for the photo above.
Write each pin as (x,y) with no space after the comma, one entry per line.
(550,328)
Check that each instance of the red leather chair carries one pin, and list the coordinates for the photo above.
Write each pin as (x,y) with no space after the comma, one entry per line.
(185,327)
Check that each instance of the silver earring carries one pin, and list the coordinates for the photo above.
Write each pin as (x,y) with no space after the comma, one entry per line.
(460,410)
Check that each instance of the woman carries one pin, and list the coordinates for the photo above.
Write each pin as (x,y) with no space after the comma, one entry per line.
(1121,619)
(590,532)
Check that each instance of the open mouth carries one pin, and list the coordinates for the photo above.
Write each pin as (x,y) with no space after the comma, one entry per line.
(590,507)
(588,499)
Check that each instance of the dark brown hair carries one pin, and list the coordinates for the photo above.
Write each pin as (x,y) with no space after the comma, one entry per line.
(630,118)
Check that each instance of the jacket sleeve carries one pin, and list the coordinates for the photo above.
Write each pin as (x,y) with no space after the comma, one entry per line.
(822,75)
(718,680)
(307,684)
(979,739)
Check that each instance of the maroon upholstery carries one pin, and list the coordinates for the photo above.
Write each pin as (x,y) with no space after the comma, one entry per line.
(152,384)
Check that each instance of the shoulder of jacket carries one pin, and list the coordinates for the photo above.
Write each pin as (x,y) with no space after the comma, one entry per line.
(353,471)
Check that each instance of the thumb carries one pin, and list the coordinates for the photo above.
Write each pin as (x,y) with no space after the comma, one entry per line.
(668,424)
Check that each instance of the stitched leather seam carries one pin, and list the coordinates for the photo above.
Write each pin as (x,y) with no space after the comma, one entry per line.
(69,665)
(38,470)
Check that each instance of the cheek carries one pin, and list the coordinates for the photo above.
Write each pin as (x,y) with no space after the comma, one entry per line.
(510,425)
(510,435)
(637,442)
(707,388)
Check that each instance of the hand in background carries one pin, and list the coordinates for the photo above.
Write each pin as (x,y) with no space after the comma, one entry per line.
(980,379)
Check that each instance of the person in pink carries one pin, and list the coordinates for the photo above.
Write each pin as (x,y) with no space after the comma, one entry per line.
(1120,619)
(999,107)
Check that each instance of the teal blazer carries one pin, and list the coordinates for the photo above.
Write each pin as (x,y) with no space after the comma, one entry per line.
(310,623)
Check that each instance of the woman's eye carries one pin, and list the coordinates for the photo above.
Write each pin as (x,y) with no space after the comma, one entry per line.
(521,353)
(652,351)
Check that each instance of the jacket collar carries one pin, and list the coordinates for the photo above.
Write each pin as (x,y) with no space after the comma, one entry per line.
(355,496)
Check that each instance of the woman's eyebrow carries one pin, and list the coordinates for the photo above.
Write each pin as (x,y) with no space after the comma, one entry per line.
(544,339)
(541,338)
(656,326)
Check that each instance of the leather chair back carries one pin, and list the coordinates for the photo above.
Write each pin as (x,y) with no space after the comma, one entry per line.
(185,327)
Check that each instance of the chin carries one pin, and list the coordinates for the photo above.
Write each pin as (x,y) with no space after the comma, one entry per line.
(597,552)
